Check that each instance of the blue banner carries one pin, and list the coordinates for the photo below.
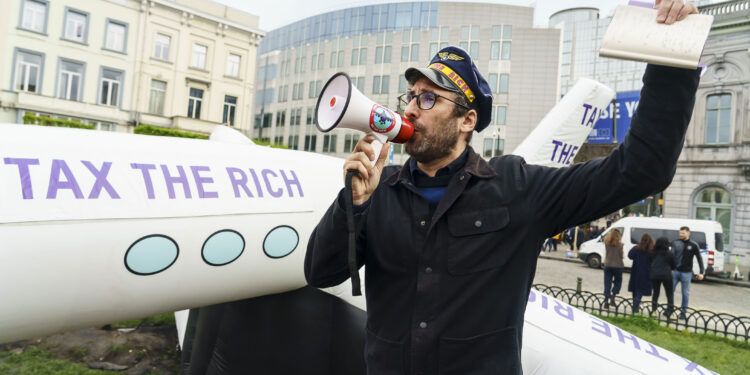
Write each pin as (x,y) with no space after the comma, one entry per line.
(623,109)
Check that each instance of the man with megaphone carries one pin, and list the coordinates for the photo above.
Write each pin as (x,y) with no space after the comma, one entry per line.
(450,241)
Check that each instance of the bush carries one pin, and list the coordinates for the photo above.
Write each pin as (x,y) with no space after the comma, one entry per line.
(158,130)
(267,143)
(32,119)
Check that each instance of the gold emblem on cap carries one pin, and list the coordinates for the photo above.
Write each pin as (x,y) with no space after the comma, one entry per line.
(449,56)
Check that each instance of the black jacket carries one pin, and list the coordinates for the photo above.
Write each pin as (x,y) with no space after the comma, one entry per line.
(446,294)
(684,251)
(662,265)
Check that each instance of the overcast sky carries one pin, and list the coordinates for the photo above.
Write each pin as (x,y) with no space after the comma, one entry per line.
(277,13)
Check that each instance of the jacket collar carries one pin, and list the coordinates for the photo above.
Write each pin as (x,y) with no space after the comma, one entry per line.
(475,166)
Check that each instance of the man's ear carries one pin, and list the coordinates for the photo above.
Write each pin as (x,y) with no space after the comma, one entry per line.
(468,121)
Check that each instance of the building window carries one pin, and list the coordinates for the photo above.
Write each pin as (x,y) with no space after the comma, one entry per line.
(359,82)
(493,147)
(311,90)
(233,65)
(504,81)
(499,114)
(116,36)
(382,47)
(70,80)
(500,42)
(505,53)
(28,71)
(718,114)
(199,56)
(156,101)
(280,119)
(350,140)
(310,141)
(278,140)
(439,39)
(295,117)
(470,40)
(382,54)
(76,26)
(498,83)
(402,84)
(316,61)
(715,203)
(410,45)
(488,147)
(380,84)
(230,104)
(329,143)
(264,120)
(109,92)
(194,103)
(499,147)
(161,46)
(34,16)
(293,142)
(309,119)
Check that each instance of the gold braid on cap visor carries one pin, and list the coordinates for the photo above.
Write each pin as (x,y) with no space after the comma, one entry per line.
(453,76)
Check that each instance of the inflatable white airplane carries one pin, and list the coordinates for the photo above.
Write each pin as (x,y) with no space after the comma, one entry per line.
(98,227)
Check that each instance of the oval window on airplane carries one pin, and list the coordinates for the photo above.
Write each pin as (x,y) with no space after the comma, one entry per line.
(151,254)
(280,241)
(223,247)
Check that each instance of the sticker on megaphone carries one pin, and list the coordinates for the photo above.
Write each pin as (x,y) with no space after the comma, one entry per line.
(341,105)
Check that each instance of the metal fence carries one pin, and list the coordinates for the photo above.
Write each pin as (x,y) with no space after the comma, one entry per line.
(699,321)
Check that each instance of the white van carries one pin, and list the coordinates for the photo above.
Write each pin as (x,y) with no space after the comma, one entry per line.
(707,233)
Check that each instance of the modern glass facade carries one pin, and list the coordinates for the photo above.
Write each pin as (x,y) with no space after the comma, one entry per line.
(375,44)
(353,21)
(582,33)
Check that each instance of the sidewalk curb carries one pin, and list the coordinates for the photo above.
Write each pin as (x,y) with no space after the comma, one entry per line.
(713,280)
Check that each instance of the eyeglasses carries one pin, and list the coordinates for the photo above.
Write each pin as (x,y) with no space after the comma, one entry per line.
(426,100)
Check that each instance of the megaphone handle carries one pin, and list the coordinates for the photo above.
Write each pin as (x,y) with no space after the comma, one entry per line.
(380,140)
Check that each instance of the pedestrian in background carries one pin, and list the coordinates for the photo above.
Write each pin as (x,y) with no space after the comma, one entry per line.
(613,266)
(640,273)
(662,265)
(551,244)
(684,249)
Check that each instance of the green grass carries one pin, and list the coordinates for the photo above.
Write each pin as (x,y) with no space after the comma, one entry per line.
(722,355)
(167,318)
(35,361)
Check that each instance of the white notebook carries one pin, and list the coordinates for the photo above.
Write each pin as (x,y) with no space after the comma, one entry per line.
(634,34)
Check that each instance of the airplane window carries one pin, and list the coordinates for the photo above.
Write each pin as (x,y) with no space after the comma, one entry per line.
(151,254)
(223,247)
(280,241)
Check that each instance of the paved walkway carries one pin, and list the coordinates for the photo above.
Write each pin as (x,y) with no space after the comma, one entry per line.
(715,295)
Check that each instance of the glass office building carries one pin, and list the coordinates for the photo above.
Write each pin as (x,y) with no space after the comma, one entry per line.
(375,44)
(582,33)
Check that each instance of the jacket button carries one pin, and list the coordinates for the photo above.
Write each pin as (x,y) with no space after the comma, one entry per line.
(423,223)
(462,177)
(422,325)
(478,223)
(428,270)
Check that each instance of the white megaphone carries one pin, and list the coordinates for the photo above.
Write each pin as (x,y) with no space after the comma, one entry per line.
(341,105)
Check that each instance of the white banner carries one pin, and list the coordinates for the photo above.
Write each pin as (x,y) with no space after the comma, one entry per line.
(560,134)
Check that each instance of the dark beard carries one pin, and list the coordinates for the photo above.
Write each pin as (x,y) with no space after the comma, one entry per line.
(436,144)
